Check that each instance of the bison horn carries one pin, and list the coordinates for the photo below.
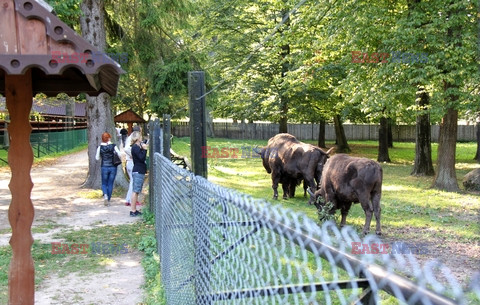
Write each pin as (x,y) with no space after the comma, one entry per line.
(258,151)
(309,191)
(330,150)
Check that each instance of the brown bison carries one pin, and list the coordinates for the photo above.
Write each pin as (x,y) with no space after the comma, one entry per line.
(347,180)
(291,161)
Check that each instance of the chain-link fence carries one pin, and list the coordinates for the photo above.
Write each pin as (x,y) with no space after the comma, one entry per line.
(218,246)
(46,143)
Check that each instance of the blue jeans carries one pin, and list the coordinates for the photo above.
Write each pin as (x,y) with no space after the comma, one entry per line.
(108,177)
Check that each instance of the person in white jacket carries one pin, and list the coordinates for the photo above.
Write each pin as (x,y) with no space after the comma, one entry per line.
(129,166)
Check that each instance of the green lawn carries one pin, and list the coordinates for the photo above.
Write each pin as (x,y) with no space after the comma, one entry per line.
(411,210)
(408,203)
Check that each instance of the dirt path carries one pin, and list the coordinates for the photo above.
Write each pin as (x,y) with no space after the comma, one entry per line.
(56,199)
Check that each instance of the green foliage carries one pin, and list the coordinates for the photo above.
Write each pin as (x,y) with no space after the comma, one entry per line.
(67,10)
(155,293)
(324,213)
(148,216)
(316,79)
(169,84)
(151,33)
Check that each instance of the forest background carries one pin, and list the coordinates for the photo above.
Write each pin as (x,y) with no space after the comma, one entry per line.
(383,62)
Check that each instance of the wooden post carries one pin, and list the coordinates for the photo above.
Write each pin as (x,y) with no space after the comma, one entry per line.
(198,124)
(21,279)
(166,135)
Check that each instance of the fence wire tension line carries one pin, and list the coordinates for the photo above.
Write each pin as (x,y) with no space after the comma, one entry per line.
(219,246)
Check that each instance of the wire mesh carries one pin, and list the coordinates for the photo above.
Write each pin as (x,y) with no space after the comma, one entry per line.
(218,246)
(46,143)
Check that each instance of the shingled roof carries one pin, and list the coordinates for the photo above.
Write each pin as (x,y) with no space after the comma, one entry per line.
(61,61)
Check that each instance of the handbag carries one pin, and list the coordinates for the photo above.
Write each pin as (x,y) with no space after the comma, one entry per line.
(116,158)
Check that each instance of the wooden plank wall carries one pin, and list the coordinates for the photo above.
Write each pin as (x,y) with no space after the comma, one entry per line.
(305,132)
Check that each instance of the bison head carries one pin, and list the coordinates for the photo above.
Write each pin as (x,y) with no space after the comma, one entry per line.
(326,211)
(313,197)
(264,154)
(321,163)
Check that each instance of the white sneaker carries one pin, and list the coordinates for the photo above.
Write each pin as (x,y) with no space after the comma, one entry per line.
(105,200)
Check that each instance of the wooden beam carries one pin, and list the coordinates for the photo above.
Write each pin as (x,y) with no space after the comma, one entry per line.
(21,278)
(8,35)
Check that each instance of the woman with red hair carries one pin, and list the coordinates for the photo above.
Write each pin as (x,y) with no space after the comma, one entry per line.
(105,152)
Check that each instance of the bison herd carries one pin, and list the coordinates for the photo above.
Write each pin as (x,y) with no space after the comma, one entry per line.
(340,179)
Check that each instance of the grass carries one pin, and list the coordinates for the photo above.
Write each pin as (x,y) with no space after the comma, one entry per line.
(154,291)
(411,210)
(407,201)
(61,265)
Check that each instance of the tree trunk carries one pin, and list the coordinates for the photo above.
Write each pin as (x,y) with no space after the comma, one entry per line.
(383,141)
(446,178)
(321,134)
(391,123)
(341,139)
(477,155)
(99,113)
(423,165)
(285,65)
(283,125)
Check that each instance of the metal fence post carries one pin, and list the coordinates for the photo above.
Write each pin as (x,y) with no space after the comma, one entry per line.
(166,135)
(154,145)
(198,124)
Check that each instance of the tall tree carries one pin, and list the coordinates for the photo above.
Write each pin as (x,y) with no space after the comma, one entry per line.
(423,165)
(155,35)
(341,139)
(321,134)
(446,177)
(477,154)
(429,29)
(251,47)
(383,155)
(99,113)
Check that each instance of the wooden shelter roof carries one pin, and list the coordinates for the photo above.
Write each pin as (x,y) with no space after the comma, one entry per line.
(38,53)
(128,116)
(32,37)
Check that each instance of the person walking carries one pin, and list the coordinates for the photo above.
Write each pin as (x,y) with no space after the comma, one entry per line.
(129,163)
(105,152)
(139,156)
(124,134)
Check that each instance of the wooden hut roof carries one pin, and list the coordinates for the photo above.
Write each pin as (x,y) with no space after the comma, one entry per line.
(128,116)
(31,36)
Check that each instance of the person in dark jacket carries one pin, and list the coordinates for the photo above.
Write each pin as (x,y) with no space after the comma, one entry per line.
(139,156)
(124,134)
(105,152)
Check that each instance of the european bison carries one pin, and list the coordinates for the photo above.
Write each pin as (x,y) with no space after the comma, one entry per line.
(347,180)
(289,161)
